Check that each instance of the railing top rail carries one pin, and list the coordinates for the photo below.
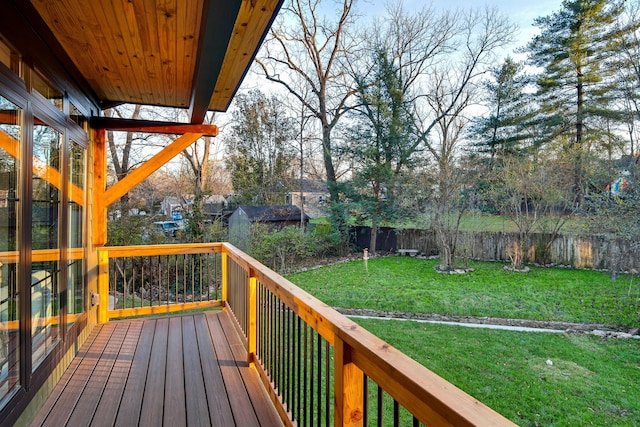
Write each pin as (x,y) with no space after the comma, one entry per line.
(152,250)
(42,255)
(425,394)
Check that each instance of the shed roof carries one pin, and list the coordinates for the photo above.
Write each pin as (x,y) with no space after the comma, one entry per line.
(185,54)
(272,213)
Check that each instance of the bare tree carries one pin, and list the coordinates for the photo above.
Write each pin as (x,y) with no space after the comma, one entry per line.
(628,68)
(308,52)
(128,150)
(442,58)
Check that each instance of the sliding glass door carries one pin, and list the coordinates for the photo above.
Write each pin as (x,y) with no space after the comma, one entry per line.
(10,136)
(45,239)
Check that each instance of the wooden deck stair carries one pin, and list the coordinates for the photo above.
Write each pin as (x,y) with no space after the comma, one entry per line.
(178,370)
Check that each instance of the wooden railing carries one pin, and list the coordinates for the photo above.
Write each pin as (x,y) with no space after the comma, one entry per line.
(319,367)
(143,280)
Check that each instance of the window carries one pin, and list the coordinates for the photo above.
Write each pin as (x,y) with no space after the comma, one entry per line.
(77,116)
(10,58)
(45,239)
(75,232)
(42,210)
(9,294)
(43,87)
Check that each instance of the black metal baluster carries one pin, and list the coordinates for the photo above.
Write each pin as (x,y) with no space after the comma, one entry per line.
(305,362)
(319,381)
(311,377)
(396,413)
(124,281)
(298,360)
(365,403)
(278,353)
(270,328)
(380,407)
(158,285)
(166,260)
(326,384)
(285,354)
(184,280)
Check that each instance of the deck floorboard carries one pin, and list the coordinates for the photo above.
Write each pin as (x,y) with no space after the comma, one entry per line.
(172,371)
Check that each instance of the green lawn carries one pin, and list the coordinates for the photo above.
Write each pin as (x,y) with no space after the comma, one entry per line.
(484,222)
(589,380)
(411,285)
(474,221)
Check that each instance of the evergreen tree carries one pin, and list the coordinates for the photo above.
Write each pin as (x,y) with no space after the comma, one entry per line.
(502,131)
(628,65)
(384,141)
(575,85)
(260,156)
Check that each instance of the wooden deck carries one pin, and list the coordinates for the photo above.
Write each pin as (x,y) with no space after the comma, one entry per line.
(172,371)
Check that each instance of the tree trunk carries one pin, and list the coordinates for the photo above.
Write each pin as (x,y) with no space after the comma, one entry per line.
(374,236)
(328,162)
(578,144)
(446,256)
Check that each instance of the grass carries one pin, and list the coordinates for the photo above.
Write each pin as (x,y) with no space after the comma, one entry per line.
(478,222)
(411,285)
(592,381)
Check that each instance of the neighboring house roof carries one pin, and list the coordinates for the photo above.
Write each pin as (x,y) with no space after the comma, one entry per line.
(272,213)
(311,186)
(214,198)
(172,200)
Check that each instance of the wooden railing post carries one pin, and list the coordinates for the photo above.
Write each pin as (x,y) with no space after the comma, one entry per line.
(103,286)
(225,277)
(252,333)
(99,221)
(349,388)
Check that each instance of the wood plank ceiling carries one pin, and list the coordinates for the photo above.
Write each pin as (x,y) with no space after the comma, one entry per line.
(157,52)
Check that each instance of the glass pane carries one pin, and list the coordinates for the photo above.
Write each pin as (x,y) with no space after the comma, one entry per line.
(47,144)
(10,58)
(75,282)
(77,116)
(48,91)
(9,173)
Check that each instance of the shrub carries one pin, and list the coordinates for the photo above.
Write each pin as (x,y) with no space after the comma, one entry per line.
(287,248)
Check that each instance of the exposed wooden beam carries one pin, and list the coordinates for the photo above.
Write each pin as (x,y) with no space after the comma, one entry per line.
(216,29)
(41,169)
(99,214)
(151,126)
(135,177)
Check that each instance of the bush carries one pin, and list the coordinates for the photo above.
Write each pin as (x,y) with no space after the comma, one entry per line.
(288,248)
(132,230)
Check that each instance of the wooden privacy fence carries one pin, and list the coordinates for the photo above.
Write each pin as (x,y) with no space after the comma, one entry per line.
(598,252)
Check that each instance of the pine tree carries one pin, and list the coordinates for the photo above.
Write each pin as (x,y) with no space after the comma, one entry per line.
(502,131)
(383,146)
(575,85)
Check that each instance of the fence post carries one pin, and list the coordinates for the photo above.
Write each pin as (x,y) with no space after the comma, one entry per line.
(349,388)
(103,286)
